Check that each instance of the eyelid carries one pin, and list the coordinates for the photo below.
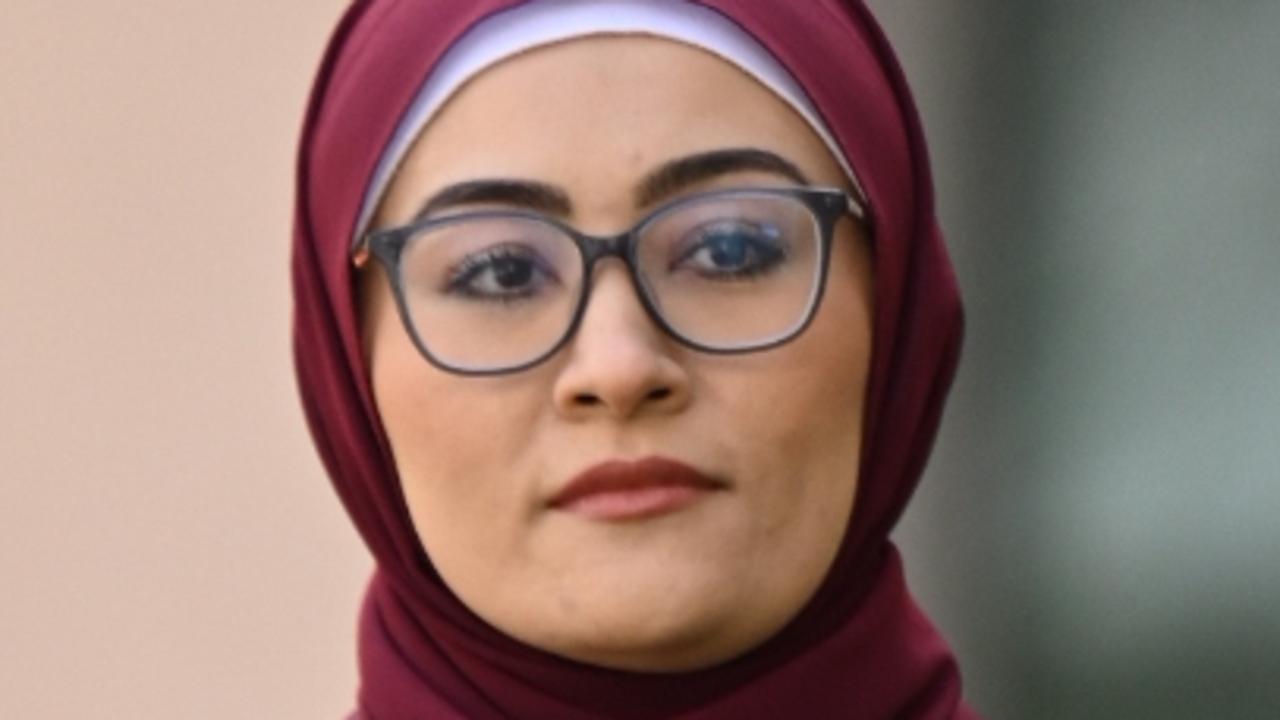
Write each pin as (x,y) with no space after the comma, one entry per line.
(458,276)
(697,237)
(484,209)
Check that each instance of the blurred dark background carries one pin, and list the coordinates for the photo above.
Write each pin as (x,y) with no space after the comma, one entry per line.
(1099,529)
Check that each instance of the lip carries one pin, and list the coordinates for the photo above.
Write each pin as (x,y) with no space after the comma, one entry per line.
(621,490)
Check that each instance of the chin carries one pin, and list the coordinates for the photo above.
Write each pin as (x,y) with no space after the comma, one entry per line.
(667,622)
(661,645)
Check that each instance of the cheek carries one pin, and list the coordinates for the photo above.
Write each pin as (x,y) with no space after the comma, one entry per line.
(455,480)
(810,407)
(809,452)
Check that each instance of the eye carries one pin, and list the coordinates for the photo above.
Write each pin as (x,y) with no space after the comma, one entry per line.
(731,249)
(501,273)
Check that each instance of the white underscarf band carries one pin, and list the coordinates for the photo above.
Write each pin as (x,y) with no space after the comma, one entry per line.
(545,22)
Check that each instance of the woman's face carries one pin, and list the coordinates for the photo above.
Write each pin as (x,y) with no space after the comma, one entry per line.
(650,578)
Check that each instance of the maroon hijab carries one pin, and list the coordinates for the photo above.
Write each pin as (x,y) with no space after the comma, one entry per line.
(861,648)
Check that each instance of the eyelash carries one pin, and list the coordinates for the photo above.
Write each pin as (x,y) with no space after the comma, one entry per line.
(459,278)
(770,252)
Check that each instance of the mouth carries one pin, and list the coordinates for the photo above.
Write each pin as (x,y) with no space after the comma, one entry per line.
(619,491)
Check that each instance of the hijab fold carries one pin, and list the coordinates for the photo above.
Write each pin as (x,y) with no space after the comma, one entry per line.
(861,648)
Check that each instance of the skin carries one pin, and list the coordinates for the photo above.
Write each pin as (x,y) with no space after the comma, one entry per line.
(479,458)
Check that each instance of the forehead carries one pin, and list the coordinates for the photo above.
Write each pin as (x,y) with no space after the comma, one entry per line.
(593,114)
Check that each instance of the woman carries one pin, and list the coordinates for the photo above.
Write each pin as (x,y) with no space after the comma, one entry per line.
(623,328)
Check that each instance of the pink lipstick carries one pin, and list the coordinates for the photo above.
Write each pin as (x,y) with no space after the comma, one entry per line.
(620,490)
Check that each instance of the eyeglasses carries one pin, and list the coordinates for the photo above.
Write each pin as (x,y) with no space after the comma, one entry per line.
(492,291)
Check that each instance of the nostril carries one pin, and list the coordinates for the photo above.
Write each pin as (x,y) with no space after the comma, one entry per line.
(586,399)
(660,393)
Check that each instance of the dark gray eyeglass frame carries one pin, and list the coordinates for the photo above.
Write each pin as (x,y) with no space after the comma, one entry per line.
(828,205)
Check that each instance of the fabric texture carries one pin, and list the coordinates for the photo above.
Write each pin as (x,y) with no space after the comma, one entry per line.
(860,648)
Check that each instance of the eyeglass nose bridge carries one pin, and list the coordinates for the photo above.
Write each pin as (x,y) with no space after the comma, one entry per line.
(598,247)
(622,246)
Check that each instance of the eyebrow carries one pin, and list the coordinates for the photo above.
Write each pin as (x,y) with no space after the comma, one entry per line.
(524,193)
(672,177)
(666,180)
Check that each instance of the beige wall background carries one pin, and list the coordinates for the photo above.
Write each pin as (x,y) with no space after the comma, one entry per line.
(169,545)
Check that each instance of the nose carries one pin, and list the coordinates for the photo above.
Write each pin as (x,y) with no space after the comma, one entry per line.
(620,364)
